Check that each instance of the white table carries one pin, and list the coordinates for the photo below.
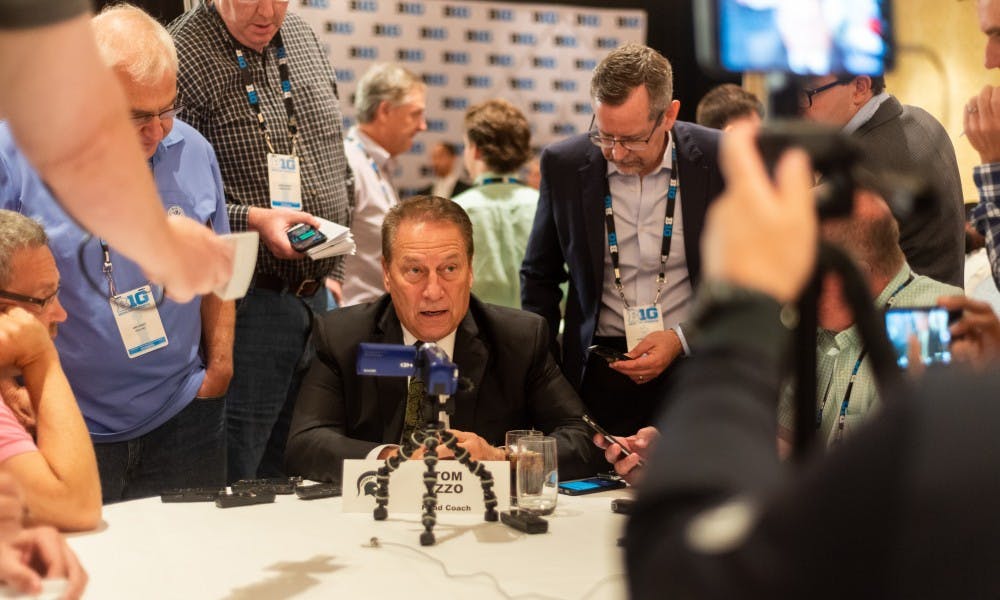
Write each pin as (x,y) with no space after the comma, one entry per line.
(310,549)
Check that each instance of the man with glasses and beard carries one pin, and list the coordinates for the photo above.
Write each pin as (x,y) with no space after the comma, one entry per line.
(622,207)
(150,375)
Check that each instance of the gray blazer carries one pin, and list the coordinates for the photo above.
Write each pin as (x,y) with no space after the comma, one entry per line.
(908,140)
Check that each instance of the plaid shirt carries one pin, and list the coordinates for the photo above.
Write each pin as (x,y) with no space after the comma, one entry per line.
(215,103)
(986,214)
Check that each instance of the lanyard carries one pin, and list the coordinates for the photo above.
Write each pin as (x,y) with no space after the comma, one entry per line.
(668,233)
(387,193)
(842,417)
(493,180)
(286,93)
(107,268)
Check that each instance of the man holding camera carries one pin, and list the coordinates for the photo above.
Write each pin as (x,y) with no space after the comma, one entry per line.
(903,507)
(427,251)
(622,207)
(909,141)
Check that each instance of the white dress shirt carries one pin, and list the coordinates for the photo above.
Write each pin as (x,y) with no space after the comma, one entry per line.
(374,195)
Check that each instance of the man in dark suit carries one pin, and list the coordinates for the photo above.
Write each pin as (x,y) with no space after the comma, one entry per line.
(907,140)
(426,260)
(628,197)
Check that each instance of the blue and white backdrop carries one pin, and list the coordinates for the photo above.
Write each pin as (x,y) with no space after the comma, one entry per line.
(537,56)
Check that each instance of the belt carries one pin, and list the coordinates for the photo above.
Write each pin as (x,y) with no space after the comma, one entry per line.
(301,288)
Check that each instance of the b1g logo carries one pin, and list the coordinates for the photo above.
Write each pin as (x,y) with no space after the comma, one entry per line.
(649,314)
(410,8)
(139,299)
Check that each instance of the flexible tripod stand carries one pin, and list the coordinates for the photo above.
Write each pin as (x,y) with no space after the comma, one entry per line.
(429,437)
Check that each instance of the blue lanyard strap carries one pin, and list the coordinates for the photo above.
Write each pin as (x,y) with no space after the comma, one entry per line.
(668,233)
(494,180)
(253,98)
(842,417)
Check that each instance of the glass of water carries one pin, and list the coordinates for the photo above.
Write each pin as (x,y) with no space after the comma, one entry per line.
(537,474)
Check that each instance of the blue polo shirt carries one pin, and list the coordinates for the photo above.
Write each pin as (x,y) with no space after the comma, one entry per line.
(122,398)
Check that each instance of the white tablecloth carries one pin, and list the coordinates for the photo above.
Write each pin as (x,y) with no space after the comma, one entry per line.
(310,549)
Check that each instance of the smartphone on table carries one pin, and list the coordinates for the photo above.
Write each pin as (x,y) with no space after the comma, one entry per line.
(590,485)
(930,325)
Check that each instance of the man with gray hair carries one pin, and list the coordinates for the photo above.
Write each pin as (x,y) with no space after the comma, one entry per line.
(623,207)
(390,102)
(150,375)
(55,468)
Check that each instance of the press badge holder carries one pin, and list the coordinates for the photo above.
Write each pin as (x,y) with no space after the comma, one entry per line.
(641,321)
(284,181)
(138,321)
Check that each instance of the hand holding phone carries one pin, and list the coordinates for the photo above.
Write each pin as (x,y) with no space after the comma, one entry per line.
(598,429)
(304,236)
(609,354)
(929,324)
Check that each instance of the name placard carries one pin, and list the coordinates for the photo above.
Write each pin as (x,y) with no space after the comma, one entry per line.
(458,490)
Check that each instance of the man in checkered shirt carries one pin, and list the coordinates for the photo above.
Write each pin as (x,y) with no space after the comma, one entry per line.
(982,127)
(231,84)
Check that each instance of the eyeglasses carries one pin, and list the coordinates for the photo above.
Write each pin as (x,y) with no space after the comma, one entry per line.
(41,303)
(608,143)
(806,94)
(140,119)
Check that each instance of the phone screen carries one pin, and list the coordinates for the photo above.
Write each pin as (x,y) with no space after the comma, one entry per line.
(929,325)
(590,484)
(806,37)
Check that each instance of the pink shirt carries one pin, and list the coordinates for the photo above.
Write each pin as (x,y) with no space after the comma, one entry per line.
(14,439)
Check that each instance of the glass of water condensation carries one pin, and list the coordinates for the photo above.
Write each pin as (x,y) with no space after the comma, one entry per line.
(510,447)
(537,474)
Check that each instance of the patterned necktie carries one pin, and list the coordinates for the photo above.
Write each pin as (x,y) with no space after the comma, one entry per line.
(415,394)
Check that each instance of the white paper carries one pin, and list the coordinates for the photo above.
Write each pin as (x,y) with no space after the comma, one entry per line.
(244,246)
(458,490)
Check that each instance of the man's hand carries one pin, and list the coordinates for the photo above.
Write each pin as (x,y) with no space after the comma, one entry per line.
(976,336)
(479,449)
(639,444)
(652,355)
(982,124)
(761,234)
(17,399)
(36,553)
(272,225)
(23,339)
(216,381)
(198,261)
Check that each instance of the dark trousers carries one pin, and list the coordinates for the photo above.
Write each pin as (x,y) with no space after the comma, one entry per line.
(271,354)
(189,450)
(617,403)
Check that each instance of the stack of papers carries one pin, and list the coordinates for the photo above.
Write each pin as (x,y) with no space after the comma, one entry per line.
(338,241)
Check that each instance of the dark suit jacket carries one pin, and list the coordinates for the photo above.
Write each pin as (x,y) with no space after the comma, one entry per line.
(569,231)
(908,140)
(504,352)
(903,508)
